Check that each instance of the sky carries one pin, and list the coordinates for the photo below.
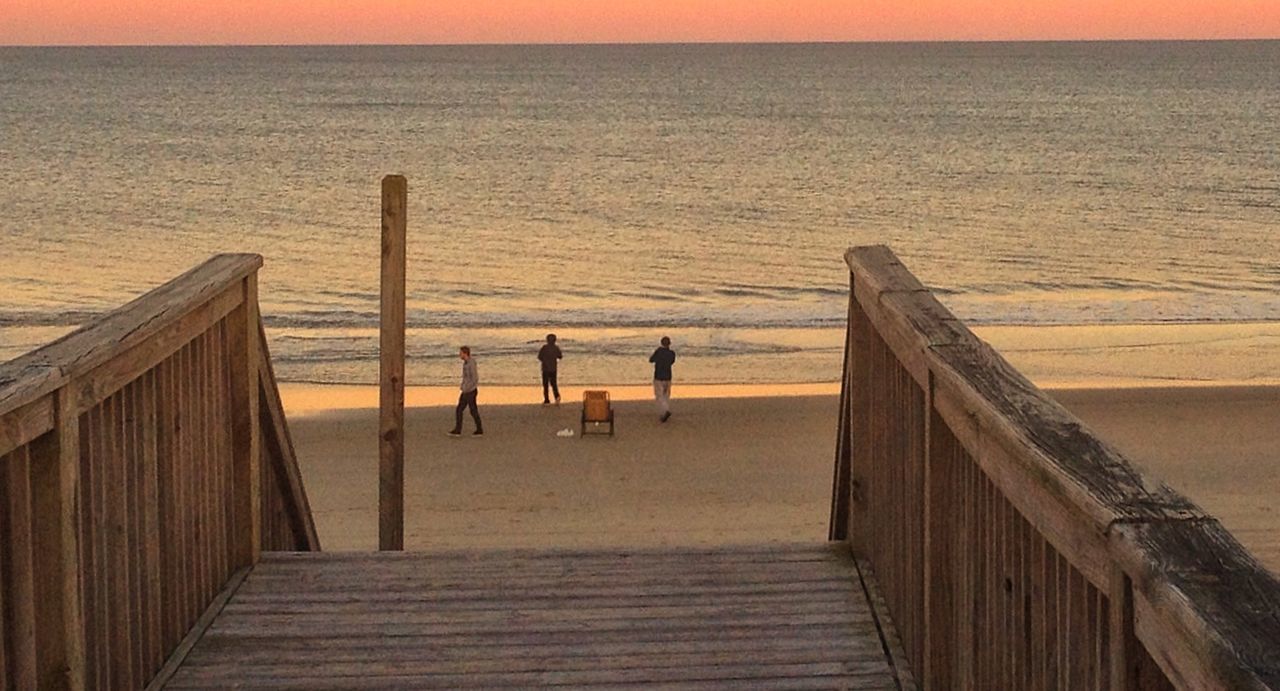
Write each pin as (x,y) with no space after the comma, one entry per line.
(170,22)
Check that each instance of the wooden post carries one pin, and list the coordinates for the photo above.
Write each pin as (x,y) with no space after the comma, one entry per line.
(55,479)
(247,455)
(395,193)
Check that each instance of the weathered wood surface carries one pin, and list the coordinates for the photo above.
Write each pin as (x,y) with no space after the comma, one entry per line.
(55,483)
(1201,599)
(129,475)
(156,488)
(188,642)
(18,666)
(243,345)
(38,373)
(775,616)
(1049,560)
(391,363)
(1067,459)
(22,425)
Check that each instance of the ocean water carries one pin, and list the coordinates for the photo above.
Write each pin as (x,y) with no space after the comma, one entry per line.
(616,193)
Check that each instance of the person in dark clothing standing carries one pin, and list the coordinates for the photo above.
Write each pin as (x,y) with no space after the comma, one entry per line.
(470,387)
(662,360)
(550,357)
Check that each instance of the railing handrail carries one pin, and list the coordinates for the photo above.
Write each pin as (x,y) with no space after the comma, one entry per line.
(38,373)
(1208,607)
(165,407)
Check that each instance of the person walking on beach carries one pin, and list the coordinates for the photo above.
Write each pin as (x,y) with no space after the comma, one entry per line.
(550,357)
(662,360)
(470,387)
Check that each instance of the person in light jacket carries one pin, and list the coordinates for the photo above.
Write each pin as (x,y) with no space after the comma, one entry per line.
(467,399)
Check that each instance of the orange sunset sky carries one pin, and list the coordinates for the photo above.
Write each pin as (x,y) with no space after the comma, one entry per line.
(102,22)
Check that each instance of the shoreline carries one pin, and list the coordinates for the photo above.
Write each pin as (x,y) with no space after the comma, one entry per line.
(304,400)
(1053,356)
(319,399)
(1056,358)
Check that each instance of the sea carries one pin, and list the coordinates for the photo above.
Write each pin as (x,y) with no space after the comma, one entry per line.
(616,194)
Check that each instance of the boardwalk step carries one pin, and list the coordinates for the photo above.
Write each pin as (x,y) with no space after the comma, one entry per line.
(772,616)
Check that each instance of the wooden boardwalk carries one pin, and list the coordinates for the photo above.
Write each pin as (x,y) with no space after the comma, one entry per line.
(768,616)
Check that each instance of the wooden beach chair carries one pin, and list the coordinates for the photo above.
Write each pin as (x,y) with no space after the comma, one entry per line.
(597,410)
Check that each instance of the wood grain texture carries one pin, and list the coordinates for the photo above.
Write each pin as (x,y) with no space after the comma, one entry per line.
(391,363)
(120,480)
(126,366)
(17,574)
(775,616)
(122,413)
(1055,523)
(23,424)
(41,371)
(858,387)
(198,629)
(55,501)
(1208,612)
(246,486)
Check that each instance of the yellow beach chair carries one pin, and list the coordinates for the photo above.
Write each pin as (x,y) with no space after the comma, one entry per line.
(596,409)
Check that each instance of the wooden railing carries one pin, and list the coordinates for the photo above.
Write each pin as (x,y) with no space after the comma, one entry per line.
(1015,549)
(144,461)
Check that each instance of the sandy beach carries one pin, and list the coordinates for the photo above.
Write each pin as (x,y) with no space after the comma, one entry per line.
(731,469)
(720,471)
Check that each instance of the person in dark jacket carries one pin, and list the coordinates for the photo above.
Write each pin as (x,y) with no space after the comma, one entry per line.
(662,360)
(470,388)
(550,356)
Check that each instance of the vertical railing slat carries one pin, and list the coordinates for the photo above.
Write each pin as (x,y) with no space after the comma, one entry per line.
(88,595)
(18,577)
(166,516)
(229,441)
(100,528)
(5,636)
(188,473)
(217,423)
(968,564)
(204,569)
(153,624)
(136,554)
(118,548)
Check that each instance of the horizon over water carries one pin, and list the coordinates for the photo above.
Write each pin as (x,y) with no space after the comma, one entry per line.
(613,193)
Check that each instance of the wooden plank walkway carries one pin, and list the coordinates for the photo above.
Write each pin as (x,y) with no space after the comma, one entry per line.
(767,616)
